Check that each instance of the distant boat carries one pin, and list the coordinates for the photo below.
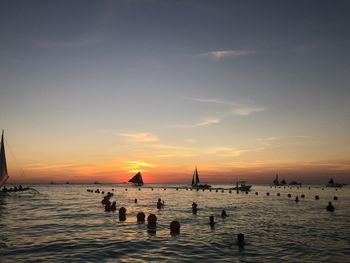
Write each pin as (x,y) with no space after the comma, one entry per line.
(3,166)
(295,183)
(241,186)
(196,183)
(278,183)
(96,182)
(331,183)
(137,179)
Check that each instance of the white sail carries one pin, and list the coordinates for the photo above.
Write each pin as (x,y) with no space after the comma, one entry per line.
(3,166)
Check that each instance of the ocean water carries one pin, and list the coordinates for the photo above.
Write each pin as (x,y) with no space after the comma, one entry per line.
(67,223)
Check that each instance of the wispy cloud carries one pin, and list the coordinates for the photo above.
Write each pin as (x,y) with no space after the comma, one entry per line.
(73,43)
(204,122)
(139,137)
(246,110)
(230,53)
(235,108)
(224,151)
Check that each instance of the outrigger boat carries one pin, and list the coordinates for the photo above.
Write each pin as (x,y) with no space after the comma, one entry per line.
(241,186)
(4,174)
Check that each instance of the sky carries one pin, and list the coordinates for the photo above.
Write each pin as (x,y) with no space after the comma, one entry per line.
(98,90)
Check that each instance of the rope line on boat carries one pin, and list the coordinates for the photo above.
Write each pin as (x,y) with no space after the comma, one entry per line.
(15,159)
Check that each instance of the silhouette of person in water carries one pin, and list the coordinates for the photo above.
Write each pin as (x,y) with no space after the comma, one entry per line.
(108,207)
(211,221)
(224,214)
(160,204)
(175,228)
(240,240)
(114,206)
(330,207)
(194,208)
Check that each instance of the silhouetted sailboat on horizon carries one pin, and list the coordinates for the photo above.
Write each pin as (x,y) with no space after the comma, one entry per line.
(196,183)
(137,179)
(4,174)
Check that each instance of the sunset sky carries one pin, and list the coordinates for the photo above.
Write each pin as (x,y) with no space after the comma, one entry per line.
(98,90)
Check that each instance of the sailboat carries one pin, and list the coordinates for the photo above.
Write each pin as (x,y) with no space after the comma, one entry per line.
(3,171)
(137,179)
(3,166)
(196,183)
(241,186)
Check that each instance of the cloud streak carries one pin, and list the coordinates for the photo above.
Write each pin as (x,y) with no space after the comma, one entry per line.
(139,137)
(230,53)
(241,109)
(204,122)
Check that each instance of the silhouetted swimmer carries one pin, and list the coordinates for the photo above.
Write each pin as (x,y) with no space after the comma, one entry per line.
(135,201)
(317,197)
(164,189)
(114,206)
(237,192)
(330,207)
(246,192)
(256,193)
(108,207)
(113,189)
(278,194)
(224,214)
(152,189)
(240,240)
(103,192)
(302,196)
(230,191)
(152,222)
(335,198)
(191,189)
(177,189)
(267,193)
(126,189)
(296,199)
(209,190)
(194,208)
(160,204)
(140,217)
(139,189)
(122,213)
(175,228)
(211,221)
(222,191)
(289,195)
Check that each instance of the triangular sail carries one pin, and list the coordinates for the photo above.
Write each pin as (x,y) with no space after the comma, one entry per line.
(197,177)
(137,179)
(3,166)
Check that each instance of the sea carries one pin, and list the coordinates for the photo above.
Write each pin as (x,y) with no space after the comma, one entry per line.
(66,223)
